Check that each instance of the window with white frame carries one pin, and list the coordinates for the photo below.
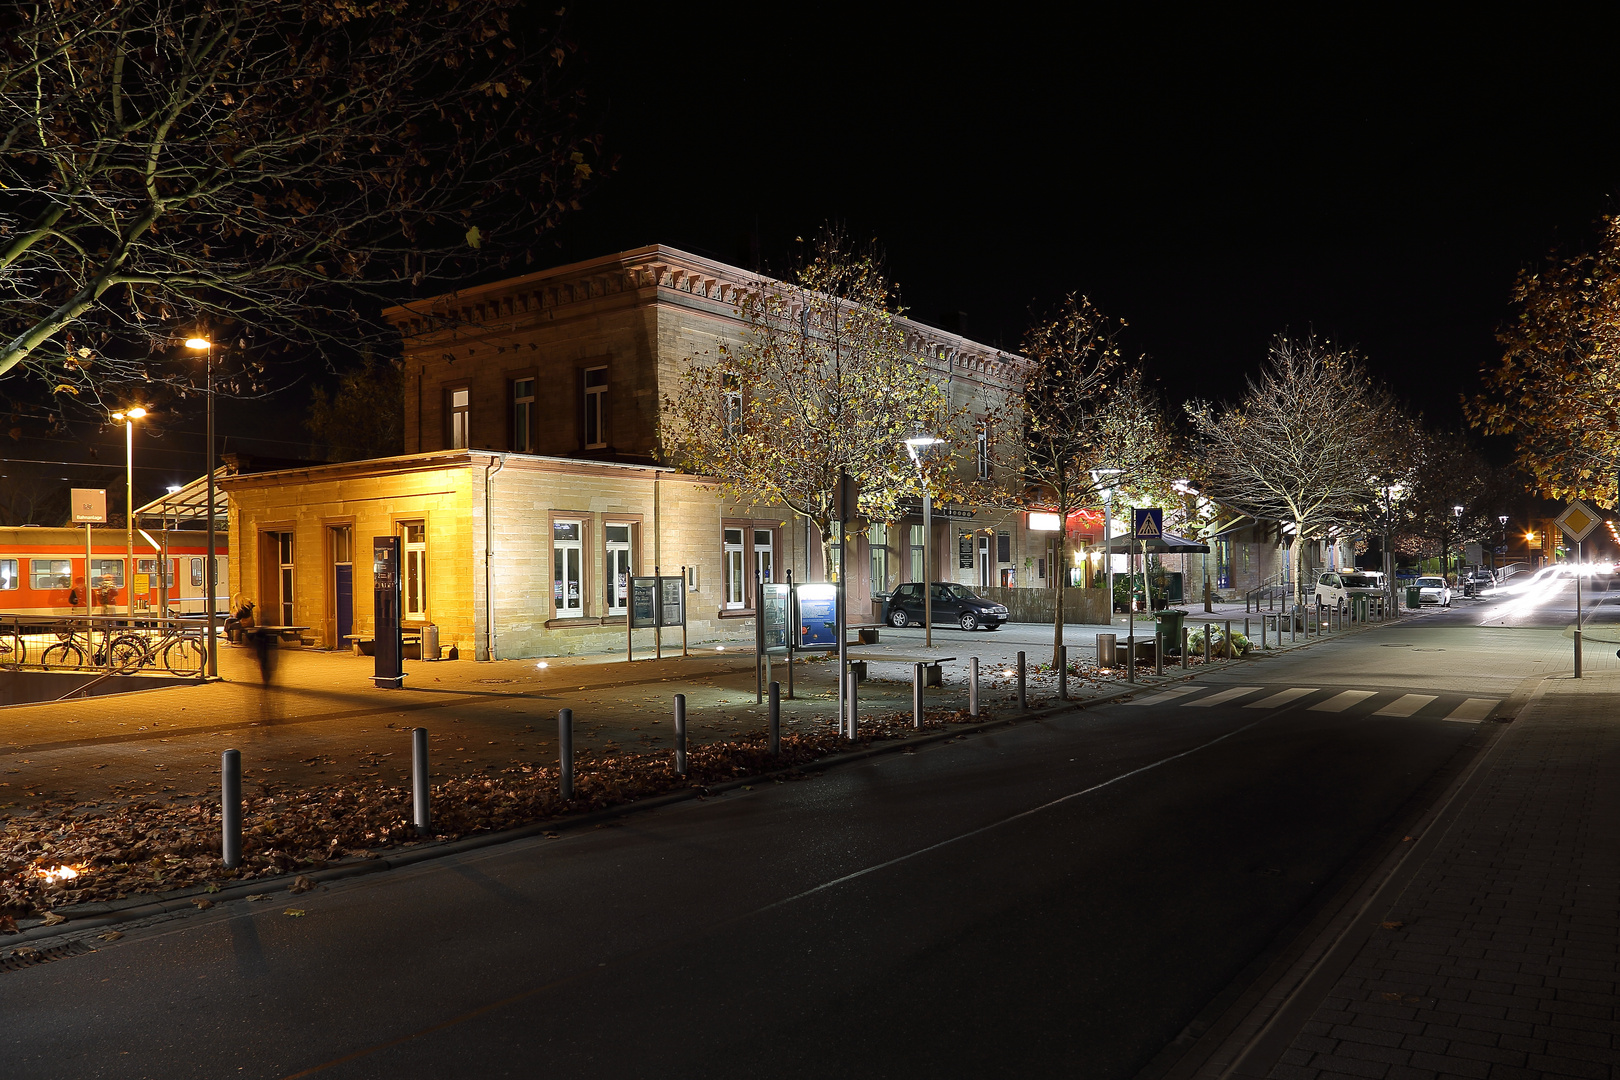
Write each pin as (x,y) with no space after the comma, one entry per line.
(916,553)
(567,569)
(459,404)
(733,560)
(618,568)
(284,552)
(764,554)
(413,554)
(733,405)
(596,386)
(523,416)
(983,452)
(877,542)
(8,574)
(102,572)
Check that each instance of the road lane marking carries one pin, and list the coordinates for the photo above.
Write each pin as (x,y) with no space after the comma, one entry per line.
(1168,695)
(1341,702)
(1405,705)
(1473,710)
(1291,694)
(1222,697)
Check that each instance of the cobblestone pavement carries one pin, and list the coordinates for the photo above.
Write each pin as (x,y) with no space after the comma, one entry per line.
(1497,955)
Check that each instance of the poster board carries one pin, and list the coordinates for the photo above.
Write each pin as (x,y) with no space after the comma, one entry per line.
(657,601)
(817,623)
(776,604)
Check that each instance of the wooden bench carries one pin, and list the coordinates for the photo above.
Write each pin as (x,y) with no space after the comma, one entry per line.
(283,633)
(365,645)
(932,676)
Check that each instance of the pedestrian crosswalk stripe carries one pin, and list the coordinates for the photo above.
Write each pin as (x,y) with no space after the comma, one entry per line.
(1341,702)
(1405,705)
(1473,710)
(1275,700)
(1221,698)
(1168,695)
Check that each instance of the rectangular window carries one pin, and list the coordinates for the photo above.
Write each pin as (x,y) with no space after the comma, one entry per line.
(8,574)
(877,542)
(618,568)
(764,551)
(342,544)
(1003,548)
(983,453)
(523,416)
(736,592)
(100,571)
(196,573)
(596,385)
(56,573)
(413,554)
(916,553)
(284,578)
(567,576)
(458,405)
(733,414)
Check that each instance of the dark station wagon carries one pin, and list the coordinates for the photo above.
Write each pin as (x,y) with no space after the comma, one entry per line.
(952,603)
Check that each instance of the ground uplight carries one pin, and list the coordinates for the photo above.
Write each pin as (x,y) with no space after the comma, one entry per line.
(60,873)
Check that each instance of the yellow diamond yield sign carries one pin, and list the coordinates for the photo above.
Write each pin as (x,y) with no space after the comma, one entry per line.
(1577,521)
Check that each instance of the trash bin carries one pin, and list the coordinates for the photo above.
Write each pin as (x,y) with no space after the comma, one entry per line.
(1107,649)
(1359,603)
(1414,596)
(430,641)
(1168,624)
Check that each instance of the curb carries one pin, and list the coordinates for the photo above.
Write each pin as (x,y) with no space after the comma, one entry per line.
(362,867)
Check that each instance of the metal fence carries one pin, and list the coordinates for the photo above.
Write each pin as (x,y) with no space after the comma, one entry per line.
(114,644)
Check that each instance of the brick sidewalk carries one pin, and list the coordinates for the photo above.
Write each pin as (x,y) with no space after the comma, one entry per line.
(1500,957)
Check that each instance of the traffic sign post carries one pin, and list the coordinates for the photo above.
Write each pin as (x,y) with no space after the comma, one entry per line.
(1147,523)
(1577,521)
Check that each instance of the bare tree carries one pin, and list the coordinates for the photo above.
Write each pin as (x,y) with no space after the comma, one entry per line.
(1086,411)
(821,381)
(1305,445)
(263,167)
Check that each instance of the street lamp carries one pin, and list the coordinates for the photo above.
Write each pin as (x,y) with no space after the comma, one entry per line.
(206,347)
(128,416)
(1456,512)
(1390,492)
(1502,521)
(915,447)
(1108,536)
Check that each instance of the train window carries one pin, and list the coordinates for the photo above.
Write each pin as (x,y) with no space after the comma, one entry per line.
(8,574)
(102,569)
(50,573)
(196,573)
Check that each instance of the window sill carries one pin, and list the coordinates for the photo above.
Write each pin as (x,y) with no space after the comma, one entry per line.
(736,613)
(572,620)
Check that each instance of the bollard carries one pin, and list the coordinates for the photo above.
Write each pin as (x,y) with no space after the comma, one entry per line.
(973,688)
(230,808)
(1158,652)
(1186,661)
(565,753)
(1022,700)
(680,734)
(916,695)
(1246,632)
(776,718)
(1226,641)
(420,794)
(854,713)
(1063,672)
(1209,632)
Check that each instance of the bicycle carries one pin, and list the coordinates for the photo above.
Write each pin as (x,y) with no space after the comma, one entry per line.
(13,649)
(181,648)
(75,647)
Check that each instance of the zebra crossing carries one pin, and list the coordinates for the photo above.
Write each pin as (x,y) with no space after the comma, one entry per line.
(1383,703)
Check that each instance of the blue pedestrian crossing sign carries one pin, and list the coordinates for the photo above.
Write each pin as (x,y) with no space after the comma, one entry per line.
(1149,523)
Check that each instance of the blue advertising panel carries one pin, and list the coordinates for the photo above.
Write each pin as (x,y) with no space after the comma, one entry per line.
(818,616)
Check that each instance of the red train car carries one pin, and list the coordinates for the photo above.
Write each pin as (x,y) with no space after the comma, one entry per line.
(42,572)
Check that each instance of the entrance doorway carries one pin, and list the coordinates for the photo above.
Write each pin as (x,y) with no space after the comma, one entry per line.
(342,537)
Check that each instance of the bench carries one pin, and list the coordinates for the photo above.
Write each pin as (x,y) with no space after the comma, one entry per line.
(283,633)
(867,632)
(365,645)
(932,676)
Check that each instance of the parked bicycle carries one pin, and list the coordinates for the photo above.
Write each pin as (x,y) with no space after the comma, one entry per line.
(180,647)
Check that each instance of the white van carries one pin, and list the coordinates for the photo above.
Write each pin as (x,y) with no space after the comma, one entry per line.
(1335,587)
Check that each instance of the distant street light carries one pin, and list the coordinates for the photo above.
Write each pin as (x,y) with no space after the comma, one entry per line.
(205,346)
(1502,521)
(1108,537)
(915,447)
(1445,556)
(128,416)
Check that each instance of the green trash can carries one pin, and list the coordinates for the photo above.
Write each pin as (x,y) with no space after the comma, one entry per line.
(1414,596)
(1360,604)
(1168,623)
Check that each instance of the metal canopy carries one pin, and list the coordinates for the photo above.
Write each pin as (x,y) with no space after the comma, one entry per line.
(190,502)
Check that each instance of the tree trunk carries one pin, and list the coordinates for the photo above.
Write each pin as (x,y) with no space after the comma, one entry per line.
(1299,562)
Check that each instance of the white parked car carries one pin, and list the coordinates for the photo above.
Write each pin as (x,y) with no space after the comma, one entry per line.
(1335,587)
(1433,590)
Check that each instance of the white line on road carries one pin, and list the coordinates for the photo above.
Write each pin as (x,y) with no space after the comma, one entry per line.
(1222,697)
(1291,694)
(1473,710)
(1341,702)
(1168,695)
(1405,705)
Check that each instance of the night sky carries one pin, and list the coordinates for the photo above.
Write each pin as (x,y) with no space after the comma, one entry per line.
(1212,183)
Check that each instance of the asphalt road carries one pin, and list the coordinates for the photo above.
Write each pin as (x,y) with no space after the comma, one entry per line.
(1058,898)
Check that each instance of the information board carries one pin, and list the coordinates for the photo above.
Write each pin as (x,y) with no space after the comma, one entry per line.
(817,624)
(643,603)
(964,551)
(775,603)
(89,505)
(672,612)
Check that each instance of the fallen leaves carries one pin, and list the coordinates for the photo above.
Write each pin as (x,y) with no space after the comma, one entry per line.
(111,935)
(295,912)
(53,919)
(300,884)
(202,903)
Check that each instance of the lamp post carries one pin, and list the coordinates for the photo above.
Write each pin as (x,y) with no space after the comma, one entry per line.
(1108,536)
(915,447)
(206,347)
(1390,491)
(1502,521)
(1456,514)
(128,416)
